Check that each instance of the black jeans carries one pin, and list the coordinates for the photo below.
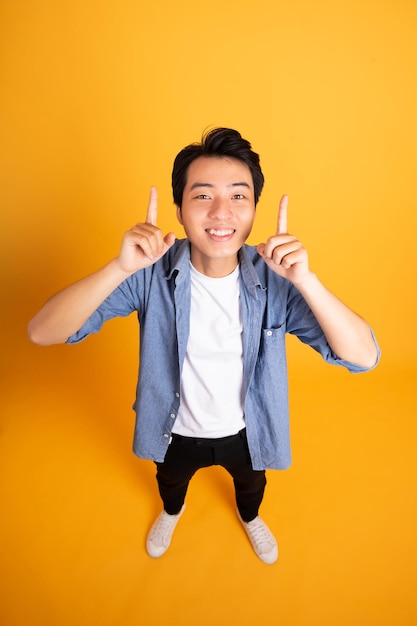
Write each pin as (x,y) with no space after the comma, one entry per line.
(186,455)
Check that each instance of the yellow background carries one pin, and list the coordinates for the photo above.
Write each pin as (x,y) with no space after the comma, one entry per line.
(96,98)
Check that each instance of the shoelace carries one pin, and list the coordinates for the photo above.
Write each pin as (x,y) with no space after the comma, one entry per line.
(163,528)
(260,534)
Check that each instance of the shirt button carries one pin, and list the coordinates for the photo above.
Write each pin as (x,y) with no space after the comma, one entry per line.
(177,395)
(166,436)
(269,333)
(172,415)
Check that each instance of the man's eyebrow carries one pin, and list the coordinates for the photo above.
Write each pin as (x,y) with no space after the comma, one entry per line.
(240,184)
(195,185)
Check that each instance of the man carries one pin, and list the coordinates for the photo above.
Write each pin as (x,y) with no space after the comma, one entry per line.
(213,315)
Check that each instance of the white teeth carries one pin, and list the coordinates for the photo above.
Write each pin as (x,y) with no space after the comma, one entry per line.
(220,233)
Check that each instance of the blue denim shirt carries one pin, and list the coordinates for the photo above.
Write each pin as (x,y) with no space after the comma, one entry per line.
(271,307)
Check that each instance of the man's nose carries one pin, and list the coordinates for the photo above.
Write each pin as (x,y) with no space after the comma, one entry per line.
(220,208)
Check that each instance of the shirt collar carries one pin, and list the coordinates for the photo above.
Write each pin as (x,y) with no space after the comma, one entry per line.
(181,263)
(181,260)
(248,272)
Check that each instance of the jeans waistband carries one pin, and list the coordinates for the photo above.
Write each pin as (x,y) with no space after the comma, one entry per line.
(204,441)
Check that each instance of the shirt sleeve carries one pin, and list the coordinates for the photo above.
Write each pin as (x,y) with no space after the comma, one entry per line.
(120,303)
(302,323)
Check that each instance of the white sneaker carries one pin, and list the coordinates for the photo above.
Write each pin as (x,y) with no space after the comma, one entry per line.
(261,538)
(160,535)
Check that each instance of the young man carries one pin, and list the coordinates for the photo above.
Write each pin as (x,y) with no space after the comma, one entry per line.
(213,315)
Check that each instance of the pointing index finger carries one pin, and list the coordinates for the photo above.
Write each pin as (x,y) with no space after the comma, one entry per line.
(282,224)
(152,207)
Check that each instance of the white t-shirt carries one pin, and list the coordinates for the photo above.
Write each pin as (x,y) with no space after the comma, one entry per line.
(212,378)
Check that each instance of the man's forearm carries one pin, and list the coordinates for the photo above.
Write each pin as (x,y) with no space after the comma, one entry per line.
(348,334)
(65,312)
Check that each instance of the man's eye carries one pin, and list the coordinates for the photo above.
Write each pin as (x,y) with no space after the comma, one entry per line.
(238,196)
(202,196)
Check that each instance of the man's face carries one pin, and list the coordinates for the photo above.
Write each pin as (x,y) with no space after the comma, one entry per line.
(217,213)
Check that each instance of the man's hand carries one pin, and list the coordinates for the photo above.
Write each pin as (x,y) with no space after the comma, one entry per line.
(282,252)
(347,333)
(145,243)
(65,313)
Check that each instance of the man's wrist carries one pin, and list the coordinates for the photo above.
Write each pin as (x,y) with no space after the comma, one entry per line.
(307,283)
(119,272)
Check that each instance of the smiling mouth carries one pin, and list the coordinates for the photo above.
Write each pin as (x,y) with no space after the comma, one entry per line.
(221,232)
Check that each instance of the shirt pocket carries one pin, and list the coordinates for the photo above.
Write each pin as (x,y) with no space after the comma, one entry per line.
(270,334)
(271,365)
(272,347)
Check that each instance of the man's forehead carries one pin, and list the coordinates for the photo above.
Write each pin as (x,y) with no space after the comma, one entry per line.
(212,171)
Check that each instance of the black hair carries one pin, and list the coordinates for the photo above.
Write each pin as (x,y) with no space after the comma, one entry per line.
(218,142)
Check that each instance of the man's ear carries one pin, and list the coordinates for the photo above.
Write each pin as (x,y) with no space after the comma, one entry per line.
(179,215)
